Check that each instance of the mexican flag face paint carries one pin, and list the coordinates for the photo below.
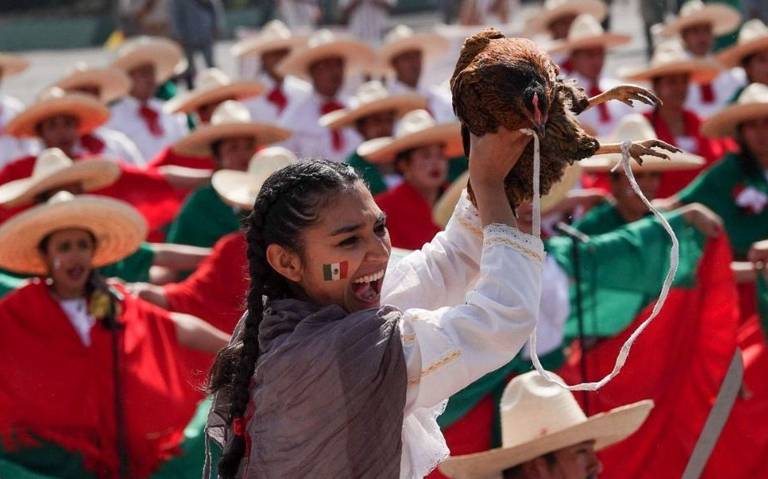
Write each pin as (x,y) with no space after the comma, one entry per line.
(335,271)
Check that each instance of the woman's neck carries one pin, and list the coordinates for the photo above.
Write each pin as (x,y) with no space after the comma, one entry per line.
(673,117)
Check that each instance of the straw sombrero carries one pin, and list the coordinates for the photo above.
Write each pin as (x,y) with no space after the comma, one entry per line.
(112,83)
(240,188)
(416,128)
(54,169)
(554,9)
(753,38)
(669,58)
(231,119)
(402,39)
(324,44)
(212,86)
(636,127)
(90,112)
(586,32)
(751,105)
(724,19)
(539,417)
(275,35)
(119,230)
(372,97)
(164,54)
(12,64)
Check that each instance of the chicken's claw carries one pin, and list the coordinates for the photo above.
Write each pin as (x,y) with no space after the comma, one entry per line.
(651,148)
(628,93)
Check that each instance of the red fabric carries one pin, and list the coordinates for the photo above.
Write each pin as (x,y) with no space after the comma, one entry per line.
(337,140)
(707,93)
(93,144)
(151,118)
(278,98)
(602,108)
(58,390)
(679,362)
(567,66)
(169,157)
(409,217)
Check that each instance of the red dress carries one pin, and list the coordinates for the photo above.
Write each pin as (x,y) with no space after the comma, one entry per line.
(409,217)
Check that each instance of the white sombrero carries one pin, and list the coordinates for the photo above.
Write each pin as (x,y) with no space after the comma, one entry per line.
(539,417)
(586,32)
(724,19)
(402,38)
(669,58)
(231,119)
(372,97)
(112,83)
(12,64)
(416,128)
(751,105)
(212,86)
(636,127)
(166,56)
(753,38)
(118,228)
(555,9)
(275,35)
(90,112)
(325,44)
(54,169)
(240,188)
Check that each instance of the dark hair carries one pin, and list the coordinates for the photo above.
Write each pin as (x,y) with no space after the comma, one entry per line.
(287,203)
(216,149)
(402,157)
(516,472)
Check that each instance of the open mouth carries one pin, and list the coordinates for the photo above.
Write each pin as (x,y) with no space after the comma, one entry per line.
(367,289)
(75,272)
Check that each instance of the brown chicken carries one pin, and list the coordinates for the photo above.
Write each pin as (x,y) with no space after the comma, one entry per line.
(511,82)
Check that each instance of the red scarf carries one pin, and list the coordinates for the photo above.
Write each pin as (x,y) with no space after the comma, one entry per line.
(707,93)
(602,108)
(278,98)
(93,144)
(152,119)
(337,140)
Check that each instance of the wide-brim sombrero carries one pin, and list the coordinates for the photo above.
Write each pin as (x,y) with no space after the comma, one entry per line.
(12,64)
(192,100)
(401,103)
(700,70)
(382,150)
(112,83)
(240,188)
(90,112)
(118,228)
(198,143)
(724,20)
(543,17)
(430,44)
(356,54)
(166,56)
(752,104)
(256,44)
(753,38)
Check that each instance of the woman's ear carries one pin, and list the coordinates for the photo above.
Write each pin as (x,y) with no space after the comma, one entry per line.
(285,262)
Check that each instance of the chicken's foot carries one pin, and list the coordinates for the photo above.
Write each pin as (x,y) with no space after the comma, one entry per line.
(640,148)
(626,94)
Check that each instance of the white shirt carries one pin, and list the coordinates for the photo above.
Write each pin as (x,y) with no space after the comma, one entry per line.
(368,21)
(126,119)
(723,87)
(262,110)
(77,312)
(616,109)
(439,99)
(463,316)
(117,147)
(309,139)
(12,148)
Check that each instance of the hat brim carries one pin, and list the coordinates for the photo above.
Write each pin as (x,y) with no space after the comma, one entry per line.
(257,46)
(119,230)
(540,22)
(430,44)
(732,57)
(198,143)
(167,59)
(12,64)
(91,173)
(240,188)
(724,20)
(701,71)
(383,150)
(90,112)
(726,121)
(606,40)
(402,104)
(192,100)
(604,428)
(356,55)
(112,83)
(676,162)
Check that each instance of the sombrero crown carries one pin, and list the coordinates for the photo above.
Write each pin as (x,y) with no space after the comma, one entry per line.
(669,58)
(752,104)
(112,83)
(753,38)
(164,54)
(326,44)
(212,85)
(275,35)
(402,38)
(372,97)
(586,32)
(724,19)
(556,9)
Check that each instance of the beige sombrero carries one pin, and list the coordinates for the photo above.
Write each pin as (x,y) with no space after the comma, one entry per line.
(724,19)
(753,38)
(324,44)
(416,128)
(669,58)
(752,104)
(275,35)
(164,54)
(636,127)
(12,64)
(240,188)
(119,230)
(54,169)
(402,38)
(586,32)
(539,417)
(90,112)
(212,86)
(112,83)
(231,119)
(372,97)
(555,9)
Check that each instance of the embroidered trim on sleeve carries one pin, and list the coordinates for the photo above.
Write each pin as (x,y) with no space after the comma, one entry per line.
(530,246)
(466,214)
(445,360)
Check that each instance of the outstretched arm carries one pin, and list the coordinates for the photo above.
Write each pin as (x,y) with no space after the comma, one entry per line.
(626,94)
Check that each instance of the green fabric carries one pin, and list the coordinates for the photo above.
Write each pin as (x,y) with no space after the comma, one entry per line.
(370,173)
(13,471)
(762,299)
(602,218)
(623,270)
(189,463)
(134,268)
(7,284)
(736,95)
(715,188)
(725,41)
(456,167)
(45,460)
(203,219)
(166,91)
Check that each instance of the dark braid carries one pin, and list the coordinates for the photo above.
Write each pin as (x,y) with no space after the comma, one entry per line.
(288,202)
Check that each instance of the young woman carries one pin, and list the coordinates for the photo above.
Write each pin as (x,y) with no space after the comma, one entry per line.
(342,356)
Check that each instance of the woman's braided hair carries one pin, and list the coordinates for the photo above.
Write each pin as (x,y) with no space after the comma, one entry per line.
(288,202)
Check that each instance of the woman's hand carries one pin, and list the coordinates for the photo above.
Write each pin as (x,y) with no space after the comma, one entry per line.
(703,219)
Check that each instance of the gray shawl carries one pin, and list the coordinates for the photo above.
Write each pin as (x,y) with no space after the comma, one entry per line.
(327,395)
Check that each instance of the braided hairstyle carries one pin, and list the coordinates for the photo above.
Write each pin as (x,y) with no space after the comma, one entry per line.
(289,201)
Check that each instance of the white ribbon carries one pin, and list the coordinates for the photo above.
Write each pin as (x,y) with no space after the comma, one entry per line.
(674,260)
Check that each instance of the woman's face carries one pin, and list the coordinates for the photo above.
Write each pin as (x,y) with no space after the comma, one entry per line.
(60,131)
(236,153)
(757,68)
(426,168)
(672,90)
(68,255)
(755,133)
(346,252)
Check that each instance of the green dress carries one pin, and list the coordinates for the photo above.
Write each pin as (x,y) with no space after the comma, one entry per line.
(203,219)
(602,218)
(369,172)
